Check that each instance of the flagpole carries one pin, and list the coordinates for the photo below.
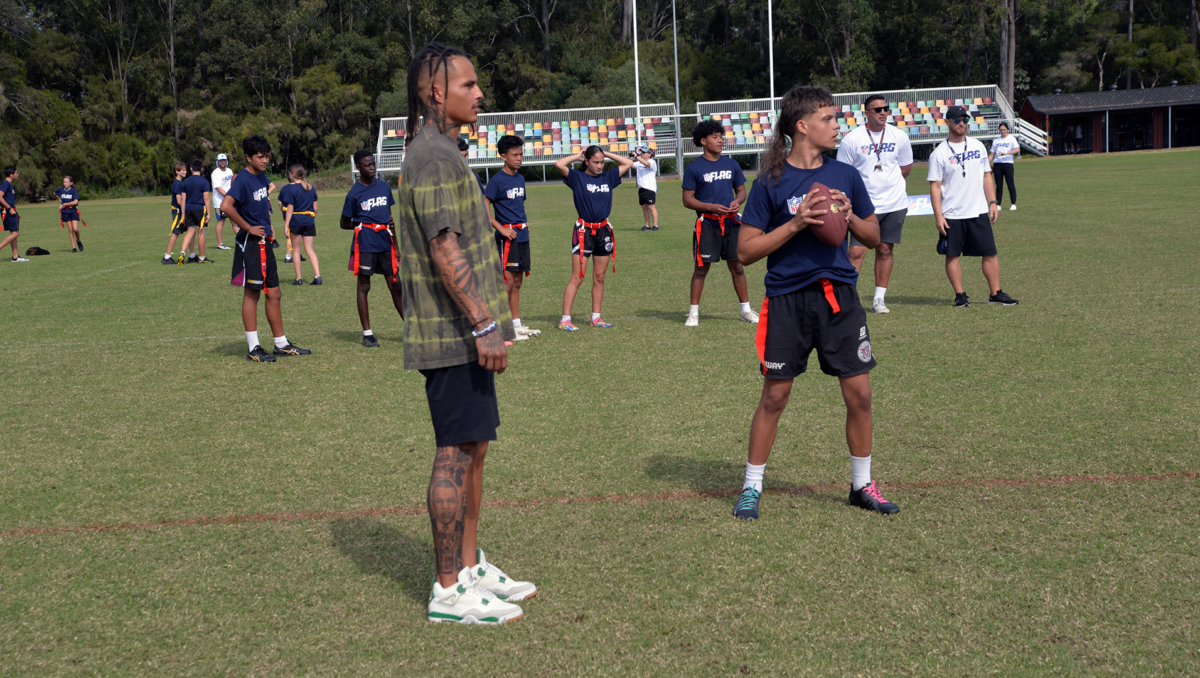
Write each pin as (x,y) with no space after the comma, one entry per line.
(771,49)
(637,82)
(678,113)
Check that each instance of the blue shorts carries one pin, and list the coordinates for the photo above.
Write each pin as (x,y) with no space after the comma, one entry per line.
(69,215)
(12,222)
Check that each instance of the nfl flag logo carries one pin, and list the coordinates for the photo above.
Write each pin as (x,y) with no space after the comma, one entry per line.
(794,205)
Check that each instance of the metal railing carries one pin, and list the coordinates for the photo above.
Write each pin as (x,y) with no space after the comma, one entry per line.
(1031,138)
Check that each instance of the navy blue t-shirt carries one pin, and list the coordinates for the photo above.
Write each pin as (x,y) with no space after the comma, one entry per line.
(803,259)
(251,197)
(480,180)
(196,186)
(371,205)
(714,181)
(66,195)
(593,195)
(176,189)
(507,194)
(300,200)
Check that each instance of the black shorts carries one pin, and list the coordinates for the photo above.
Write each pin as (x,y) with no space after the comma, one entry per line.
(309,230)
(709,244)
(646,196)
(518,259)
(372,263)
(249,254)
(970,237)
(12,222)
(792,325)
(891,225)
(194,219)
(462,404)
(177,225)
(602,243)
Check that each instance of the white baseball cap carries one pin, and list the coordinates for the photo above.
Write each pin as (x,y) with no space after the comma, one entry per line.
(222,156)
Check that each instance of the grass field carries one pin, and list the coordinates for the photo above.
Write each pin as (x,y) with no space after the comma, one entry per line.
(170,509)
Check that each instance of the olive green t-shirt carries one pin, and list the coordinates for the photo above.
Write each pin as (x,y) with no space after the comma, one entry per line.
(439,193)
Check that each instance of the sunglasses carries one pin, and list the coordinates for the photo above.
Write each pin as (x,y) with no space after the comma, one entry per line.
(961,120)
(880,109)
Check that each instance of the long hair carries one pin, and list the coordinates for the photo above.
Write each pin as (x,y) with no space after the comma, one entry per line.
(799,101)
(298,172)
(591,151)
(430,60)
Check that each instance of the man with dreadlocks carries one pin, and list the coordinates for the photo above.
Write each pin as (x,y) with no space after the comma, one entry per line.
(812,299)
(456,320)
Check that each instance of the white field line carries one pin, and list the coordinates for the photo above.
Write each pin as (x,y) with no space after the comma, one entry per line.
(110,270)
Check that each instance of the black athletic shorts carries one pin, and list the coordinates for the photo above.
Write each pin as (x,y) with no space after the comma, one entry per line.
(177,225)
(518,259)
(375,263)
(646,196)
(709,244)
(602,243)
(890,227)
(970,237)
(249,254)
(791,325)
(194,219)
(309,230)
(12,222)
(462,404)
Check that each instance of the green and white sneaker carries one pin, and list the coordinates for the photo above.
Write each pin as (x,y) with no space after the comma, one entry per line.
(491,578)
(466,603)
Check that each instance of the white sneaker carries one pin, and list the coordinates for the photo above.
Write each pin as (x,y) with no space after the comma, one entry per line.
(466,603)
(19,260)
(490,578)
(879,307)
(527,331)
(1012,208)
(750,317)
(693,320)
(520,337)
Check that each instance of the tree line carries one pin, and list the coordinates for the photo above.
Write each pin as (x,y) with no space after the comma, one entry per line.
(113,91)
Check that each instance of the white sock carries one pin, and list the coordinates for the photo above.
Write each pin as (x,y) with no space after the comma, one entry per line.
(168,256)
(745,307)
(694,309)
(516,322)
(754,476)
(880,292)
(368,333)
(252,339)
(566,319)
(595,316)
(860,468)
(280,342)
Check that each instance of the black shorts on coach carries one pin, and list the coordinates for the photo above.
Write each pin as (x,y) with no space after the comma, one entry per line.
(646,196)
(518,259)
(791,325)
(462,404)
(970,237)
(711,245)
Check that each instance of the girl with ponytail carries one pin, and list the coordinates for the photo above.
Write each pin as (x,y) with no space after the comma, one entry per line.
(299,201)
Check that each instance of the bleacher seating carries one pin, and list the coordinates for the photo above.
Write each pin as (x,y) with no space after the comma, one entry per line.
(567,136)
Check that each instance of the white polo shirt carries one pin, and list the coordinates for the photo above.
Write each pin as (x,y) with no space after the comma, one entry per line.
(647,176)
(891,150)
(962,196)
(222,179)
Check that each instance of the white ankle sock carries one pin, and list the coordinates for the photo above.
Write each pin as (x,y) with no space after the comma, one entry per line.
(595,316)
(694,309)
(252,339)
(880,292)
(516,322)
(280,342)
(566,319)
(860,469)
(368,333)
(745,307)
(754,476)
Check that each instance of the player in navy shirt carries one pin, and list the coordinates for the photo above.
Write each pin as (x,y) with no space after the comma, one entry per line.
(68,212)
(812,301)
(505,195)
(368,210)
(714,186)
(248,205)
(8,206)
(592,235)
(299,200)
(196,196)
(177,227)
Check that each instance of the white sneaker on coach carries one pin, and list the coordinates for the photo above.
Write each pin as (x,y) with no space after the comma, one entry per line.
(750,317)
(693,320)
(491,578)
(1012,208)
(466,603)
(878,306)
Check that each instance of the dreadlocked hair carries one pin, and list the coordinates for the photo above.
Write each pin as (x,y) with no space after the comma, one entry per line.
(430,60)
(799,102)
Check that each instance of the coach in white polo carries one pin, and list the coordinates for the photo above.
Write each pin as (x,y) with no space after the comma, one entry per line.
(221,181)
(964,206)
(883,156)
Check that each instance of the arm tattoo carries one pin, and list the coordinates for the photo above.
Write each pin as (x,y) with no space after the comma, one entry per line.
(457,276)
(447,502)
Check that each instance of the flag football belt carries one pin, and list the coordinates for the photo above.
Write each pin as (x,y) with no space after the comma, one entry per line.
(584,226)
(177,219)
(760,339)
(307,214)
(508,243)
(76,208)
(377,228)
(720,219)
(262,256)
(828,288)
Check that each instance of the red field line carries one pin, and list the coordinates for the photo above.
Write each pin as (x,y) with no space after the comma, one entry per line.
(602,498)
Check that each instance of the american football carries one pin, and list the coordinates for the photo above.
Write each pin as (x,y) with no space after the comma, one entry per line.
(832,229)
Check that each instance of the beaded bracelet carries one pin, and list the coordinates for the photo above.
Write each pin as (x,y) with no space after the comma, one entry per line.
(485,331)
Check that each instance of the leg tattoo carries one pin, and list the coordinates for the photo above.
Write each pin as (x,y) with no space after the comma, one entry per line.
(447,502)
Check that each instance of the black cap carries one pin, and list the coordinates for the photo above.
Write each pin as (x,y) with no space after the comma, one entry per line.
(956,112)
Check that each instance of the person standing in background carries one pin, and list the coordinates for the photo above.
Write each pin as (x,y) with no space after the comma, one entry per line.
(1004,150)
(222,181)
(647,181)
